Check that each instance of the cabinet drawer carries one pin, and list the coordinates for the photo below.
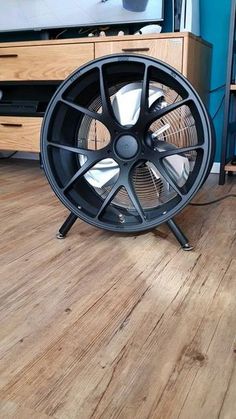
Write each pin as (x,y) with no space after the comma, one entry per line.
(43,62)
(20,133)
(167,50)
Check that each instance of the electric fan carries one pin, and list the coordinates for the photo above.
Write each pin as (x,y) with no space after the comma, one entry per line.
(126,143)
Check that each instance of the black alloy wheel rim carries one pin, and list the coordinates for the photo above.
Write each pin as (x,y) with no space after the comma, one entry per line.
(72,107)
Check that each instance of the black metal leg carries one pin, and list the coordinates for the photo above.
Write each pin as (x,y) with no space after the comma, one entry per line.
(182,239)
(222,175)
(66,226)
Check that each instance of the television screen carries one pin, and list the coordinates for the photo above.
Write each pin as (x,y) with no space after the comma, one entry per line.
(19,15)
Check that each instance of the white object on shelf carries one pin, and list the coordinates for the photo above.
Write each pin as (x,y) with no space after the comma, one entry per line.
(149,29)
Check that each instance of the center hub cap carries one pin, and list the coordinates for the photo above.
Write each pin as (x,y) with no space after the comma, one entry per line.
(126,146)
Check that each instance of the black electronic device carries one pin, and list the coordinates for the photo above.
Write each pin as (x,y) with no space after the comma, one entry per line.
(18,107)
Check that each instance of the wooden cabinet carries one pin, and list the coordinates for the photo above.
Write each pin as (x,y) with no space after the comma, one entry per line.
(187,53)
(168,50)
(43,62)
(22,63)
(20,133)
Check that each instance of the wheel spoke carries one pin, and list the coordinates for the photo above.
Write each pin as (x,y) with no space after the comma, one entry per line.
(109,119)
(76,150)
(145,92)
(83,169)
(83,110)
(135,200)
(115,189)
(161,169)
(179,150)
(106,106)
(160,113)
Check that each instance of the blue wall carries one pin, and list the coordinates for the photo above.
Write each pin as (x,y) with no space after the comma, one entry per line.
(215,16)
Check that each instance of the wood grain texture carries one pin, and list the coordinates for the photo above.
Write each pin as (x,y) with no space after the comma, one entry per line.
(20,133)
(101,39)
(167,50)
(103,325)
(197,66)
(46,62)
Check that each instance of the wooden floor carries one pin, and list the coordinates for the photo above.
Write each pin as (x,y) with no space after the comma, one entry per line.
(107,326)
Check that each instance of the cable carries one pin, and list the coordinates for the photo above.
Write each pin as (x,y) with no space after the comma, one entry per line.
(60,33)
(9,156)
(221,103)
(217,88)
(202,204)
(81,31)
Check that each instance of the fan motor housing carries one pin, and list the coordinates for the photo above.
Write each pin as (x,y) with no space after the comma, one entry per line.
(126,142)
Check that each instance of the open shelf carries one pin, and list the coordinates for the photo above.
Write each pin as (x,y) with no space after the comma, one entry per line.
(230,167)
(26,98)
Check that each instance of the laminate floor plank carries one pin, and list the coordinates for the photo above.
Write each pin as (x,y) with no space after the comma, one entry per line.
(104,325)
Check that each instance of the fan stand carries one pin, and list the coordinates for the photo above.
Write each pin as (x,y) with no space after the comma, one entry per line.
(179,235)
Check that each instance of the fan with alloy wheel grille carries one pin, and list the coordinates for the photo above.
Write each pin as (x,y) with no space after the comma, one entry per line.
(126,143)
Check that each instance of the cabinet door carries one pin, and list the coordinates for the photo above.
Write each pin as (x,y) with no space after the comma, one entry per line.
(20,133)
(167,50)
(43,62)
